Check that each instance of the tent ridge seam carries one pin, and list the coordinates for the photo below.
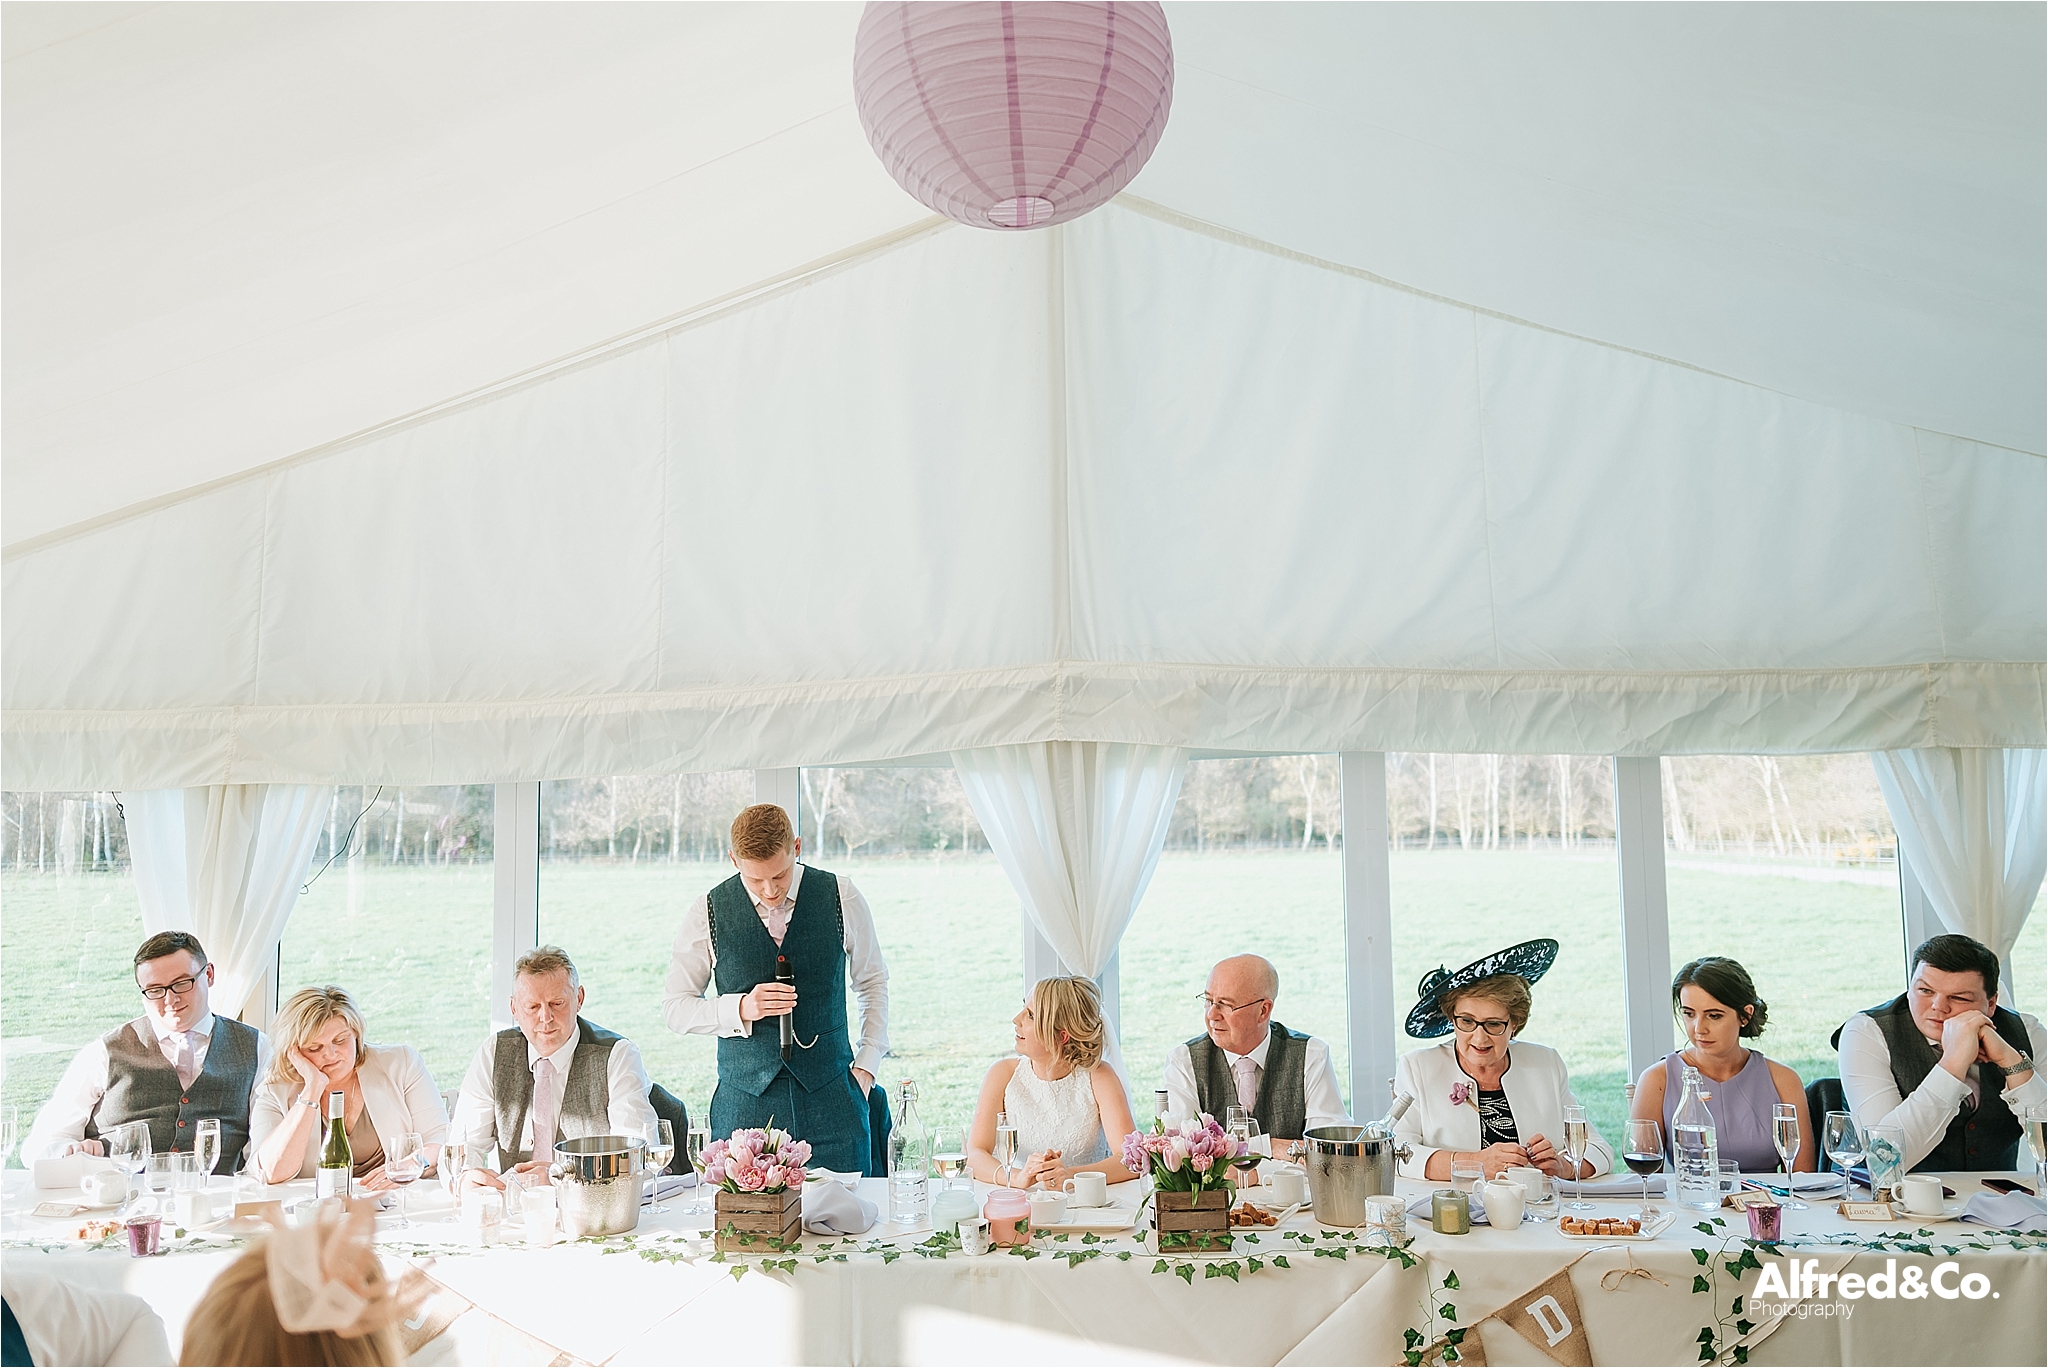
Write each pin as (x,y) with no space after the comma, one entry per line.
(1237,237)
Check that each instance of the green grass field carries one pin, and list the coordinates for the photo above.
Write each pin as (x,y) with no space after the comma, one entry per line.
(416,952)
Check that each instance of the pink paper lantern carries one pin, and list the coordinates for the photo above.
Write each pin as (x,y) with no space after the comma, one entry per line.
(1009,115)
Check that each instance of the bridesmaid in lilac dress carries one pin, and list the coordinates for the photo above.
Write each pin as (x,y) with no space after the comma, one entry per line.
(1718,1006)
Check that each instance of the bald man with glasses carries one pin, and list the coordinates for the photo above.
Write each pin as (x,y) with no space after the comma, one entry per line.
(172,1067)
(1248,1059)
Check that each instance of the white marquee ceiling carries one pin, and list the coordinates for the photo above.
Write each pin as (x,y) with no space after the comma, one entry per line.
(1569,377)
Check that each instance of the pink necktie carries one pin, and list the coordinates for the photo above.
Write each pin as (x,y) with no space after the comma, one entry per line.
(776,919)
(187,1070)
(544,1110)
(1247,1081)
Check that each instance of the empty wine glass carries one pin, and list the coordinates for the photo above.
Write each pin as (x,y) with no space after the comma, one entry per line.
(405,1158)
(1844,1144)
(1644,1154)
(128,1147)
(1576,1137)
(698,1138)
(10,1121)
(661,1149)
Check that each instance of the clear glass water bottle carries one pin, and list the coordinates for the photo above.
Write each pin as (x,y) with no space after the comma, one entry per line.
(910,1158)
(1695,1153)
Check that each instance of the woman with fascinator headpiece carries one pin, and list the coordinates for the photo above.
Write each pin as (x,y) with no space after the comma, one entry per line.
(1483,1092)
(309,1294)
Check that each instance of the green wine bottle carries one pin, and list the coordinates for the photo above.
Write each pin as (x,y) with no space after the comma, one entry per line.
(337,1161)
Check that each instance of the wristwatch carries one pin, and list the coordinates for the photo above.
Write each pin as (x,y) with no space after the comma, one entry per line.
(2024,1064)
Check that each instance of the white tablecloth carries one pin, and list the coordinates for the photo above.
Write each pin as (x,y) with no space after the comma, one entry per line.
(533,1305)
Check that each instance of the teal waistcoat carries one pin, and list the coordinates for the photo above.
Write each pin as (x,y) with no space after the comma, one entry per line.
(815,944)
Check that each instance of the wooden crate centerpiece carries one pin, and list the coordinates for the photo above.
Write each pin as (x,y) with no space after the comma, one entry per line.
(1193,1222)
(748,1221)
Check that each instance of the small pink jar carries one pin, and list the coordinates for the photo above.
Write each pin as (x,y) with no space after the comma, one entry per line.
(1008,1213)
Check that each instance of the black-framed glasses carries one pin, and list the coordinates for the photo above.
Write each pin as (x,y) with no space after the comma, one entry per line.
(182,986)
(1210,1004)
(1467,1025)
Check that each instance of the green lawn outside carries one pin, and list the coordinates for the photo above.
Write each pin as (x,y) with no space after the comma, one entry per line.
(416,952)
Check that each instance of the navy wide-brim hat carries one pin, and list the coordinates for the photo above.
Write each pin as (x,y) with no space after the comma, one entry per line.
(1530,961)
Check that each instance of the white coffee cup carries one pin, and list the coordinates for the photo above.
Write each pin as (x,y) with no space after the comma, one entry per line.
(1088,1189)
(106,1188)
(1048,1208)
(1922,1195)
(1530,1180)
(192,1207)
(1503,1201)
(1289,1184)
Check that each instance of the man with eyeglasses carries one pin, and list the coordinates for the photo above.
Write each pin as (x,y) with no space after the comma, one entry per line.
(1284,1078)
(174,1066)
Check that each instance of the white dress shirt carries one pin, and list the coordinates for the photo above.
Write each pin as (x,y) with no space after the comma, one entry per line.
(476,1110)
(1923,1118)
(688,1011)
(1325,1107)
(62,1119)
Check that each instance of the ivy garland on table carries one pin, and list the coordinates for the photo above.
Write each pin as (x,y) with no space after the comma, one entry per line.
(1715,1341)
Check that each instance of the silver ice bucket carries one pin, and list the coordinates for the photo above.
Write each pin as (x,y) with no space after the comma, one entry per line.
(1346,1165)
(597,1184)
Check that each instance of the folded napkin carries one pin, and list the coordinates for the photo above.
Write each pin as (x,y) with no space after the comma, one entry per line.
(1609,1185)
(2012,1211)
(667,1186)
(71,1170)
(830,1209)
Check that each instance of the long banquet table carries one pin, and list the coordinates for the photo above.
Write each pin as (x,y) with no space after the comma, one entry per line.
(662,1299)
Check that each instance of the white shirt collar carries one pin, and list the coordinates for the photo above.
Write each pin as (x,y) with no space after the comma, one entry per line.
(796,877)
(202,1029)
(1258,1052)
(560,1058)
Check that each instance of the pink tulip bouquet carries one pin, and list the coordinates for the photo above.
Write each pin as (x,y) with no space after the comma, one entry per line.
(756,1161)
(1193,1157)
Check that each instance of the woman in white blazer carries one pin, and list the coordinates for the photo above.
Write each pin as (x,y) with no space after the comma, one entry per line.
(320,1049)
(1483,1092)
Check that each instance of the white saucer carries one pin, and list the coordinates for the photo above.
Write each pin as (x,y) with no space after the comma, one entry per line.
(1950,1211)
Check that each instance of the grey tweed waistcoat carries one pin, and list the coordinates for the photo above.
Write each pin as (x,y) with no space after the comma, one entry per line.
(586,1096)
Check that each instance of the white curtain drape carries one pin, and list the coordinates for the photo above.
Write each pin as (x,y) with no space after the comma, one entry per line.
(1973,825)
(1078,826)
(225,863)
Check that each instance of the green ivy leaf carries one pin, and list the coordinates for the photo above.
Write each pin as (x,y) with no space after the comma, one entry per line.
(1706,1353)
(1700,1257)
(1451,1279)
(1749,1259)
(1186,1273)
(1280,1261)
(1454,1337)
(1253,1265)
(1059,1239)
(1703,1227)
(738,1271)
(1741,1353)
(890,1256)
(1743,1327)
(1091,1238)
(1736,1309)
(1160,1267)
(1705,1336)
(1410,1337)
(1447,1311)
(1700,1284)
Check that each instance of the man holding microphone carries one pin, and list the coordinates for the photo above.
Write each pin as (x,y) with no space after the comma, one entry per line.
(775,915)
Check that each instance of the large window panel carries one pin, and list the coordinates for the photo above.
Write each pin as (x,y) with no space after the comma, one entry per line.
(68,937)
(1252,865)
(1492,850)
(620,859)
(399,913)
(946,915)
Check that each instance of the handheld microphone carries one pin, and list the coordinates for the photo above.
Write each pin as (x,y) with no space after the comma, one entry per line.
(787,1021)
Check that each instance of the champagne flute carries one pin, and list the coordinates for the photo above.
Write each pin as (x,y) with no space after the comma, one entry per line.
(207,1148)
(1006,1146)
(10,1121)
(1644,1154)
(661,1149)
(450,1168)
(698,1138)
(1844,1144)
(405,1159)
(1785,1140)
(1576,1138)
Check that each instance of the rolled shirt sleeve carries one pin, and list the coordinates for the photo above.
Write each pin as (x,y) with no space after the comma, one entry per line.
(629,1111)
(870,977)
(684,1007)
(476,1108)
(1319,1078)
(62,1119)
(1181,1097)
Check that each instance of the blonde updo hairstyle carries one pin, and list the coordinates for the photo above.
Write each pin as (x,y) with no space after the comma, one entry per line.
(304,1013)
(236,1323)
(1071,1007)
(1511,991)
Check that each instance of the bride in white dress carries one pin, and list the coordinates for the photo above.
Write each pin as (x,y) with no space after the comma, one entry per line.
(1069,1106)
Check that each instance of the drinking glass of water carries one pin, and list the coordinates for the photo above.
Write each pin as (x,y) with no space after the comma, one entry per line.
(1844,1144)
(661,1149)
(699,1139)
(405,1159)
(207,1147)
(949,1154)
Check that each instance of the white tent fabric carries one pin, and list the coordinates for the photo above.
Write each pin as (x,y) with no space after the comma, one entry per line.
(1078,827)
(225,862)
(582,398)
(1973,826)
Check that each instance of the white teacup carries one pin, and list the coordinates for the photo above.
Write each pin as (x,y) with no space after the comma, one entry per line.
(1922,1194)
(1532,1181)
(1503,1201)
(1048,1208)
(1087,1189)
(1289,1184)
(105,1188)
(193,1207)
